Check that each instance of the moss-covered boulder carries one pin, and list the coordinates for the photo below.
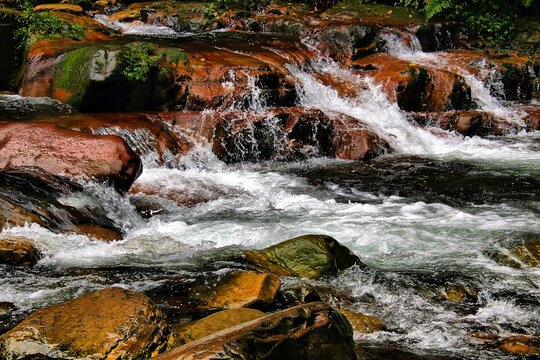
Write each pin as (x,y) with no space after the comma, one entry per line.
(214,323)
(18,251)
(238,289)
(307,332)
(309,256)
(109,324)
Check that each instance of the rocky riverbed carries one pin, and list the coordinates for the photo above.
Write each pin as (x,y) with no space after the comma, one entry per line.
(190,180)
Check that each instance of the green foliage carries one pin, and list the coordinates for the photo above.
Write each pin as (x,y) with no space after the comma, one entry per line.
(491,20)
(137,60)
(174,56)
(43,23)
(417,4)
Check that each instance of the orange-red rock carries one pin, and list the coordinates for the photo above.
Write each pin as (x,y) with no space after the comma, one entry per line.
(109,324)
(68,152)
(18,251)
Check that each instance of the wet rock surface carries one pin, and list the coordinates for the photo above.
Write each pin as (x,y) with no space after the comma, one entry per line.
(18,252)
(68,152)
(312,331)
(111,323)
(309,256)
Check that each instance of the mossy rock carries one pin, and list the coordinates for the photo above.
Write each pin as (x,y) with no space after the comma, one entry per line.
(308,256)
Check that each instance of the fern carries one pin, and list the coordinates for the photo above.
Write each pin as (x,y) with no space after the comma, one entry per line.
(434,7)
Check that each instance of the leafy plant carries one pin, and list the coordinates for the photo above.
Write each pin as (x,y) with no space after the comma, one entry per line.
(491,20)
(42,23)
(137,60)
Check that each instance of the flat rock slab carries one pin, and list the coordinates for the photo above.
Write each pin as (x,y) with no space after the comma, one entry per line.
(66,152)
(307,332)
(113,323)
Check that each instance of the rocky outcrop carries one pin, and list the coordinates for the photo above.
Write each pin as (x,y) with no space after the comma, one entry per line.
(108,324)
(309,256)
(312,331)
(414,87)
(238,289)
(18,252)
(65,152)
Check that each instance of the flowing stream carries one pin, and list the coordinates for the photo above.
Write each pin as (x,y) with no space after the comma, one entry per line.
(433,215)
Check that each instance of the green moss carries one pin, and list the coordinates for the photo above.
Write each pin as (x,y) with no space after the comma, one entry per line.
(174,56)
(73,74)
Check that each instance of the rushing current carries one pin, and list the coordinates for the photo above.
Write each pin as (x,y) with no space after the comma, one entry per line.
(430,216)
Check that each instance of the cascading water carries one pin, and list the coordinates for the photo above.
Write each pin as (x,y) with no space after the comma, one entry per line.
(434,215)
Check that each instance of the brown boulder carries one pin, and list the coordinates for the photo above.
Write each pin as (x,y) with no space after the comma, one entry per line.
(69,152)
(239,289)
(308,332)
(18,252)
(521,344)
(529,253)
(417,88)
(97,232)
(216,322)
(109,324)
(363,323)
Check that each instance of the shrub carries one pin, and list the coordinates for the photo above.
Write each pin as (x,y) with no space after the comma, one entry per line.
(137,60)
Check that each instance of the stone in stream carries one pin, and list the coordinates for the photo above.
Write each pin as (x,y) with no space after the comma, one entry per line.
(6,308)
(108,324)
(307,332)
(528,253)
(31,195)
(18,251)
(66,152)
(308,256)
(363,323)
(216,322)
(238,289)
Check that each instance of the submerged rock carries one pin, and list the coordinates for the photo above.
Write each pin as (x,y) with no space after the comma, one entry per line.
(525,345)
(239,289)
(309,256)
(68,152)
(307,332)
(529,253)
(18,252)
(109,324)
(363,323)
(216,322)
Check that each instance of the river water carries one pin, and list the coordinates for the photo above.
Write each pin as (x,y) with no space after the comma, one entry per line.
(432,215)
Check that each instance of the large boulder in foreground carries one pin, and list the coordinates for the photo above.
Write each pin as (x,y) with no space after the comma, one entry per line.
(109,324)
(307,332)
(18,252)
(69,152)
(308,256)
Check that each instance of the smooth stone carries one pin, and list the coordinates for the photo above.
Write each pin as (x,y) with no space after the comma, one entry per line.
(113,323)
(308,256)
